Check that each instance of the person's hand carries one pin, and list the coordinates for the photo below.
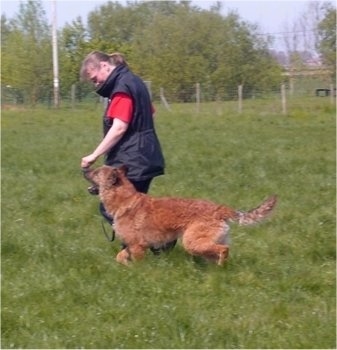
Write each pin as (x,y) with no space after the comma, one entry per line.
(88,160)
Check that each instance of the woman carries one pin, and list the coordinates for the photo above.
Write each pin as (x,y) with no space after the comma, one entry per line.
(129,134)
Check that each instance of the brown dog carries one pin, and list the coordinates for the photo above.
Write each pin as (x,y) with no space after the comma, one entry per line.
(142,221)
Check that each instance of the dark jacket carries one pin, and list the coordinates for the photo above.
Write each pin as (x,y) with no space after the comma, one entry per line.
(139,148)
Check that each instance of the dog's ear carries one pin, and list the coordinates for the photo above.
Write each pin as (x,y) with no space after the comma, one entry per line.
(124,169)
(113,178)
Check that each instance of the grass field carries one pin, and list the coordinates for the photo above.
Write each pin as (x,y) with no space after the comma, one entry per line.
(61,287)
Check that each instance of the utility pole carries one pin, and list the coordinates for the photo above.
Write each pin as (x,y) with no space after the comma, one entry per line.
(55,56)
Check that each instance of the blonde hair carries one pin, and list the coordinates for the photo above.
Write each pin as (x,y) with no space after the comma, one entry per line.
(95,57)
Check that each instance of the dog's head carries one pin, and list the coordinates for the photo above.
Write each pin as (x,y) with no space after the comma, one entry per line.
(104,177)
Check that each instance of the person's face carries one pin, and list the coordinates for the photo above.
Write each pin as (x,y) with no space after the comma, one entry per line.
(99,75)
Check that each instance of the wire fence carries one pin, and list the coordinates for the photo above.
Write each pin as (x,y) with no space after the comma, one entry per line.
(198,97)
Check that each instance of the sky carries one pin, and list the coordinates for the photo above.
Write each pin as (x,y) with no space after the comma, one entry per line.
(271,16)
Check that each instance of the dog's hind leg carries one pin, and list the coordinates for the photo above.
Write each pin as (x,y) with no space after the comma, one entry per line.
(223,254)
(213,252)
(198,240)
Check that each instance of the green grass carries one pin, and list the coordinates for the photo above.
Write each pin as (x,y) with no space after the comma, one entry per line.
(61,287)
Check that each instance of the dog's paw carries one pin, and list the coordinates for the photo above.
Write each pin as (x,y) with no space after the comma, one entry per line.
(93,190)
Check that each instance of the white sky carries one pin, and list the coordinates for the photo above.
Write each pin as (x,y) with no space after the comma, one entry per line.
(271,16)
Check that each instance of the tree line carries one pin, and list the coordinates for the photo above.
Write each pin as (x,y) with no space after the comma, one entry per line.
(171,44)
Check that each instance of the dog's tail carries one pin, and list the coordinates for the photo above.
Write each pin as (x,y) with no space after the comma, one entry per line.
(257,214)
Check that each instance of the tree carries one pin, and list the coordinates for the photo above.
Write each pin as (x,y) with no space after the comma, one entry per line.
(5,29)
(26,54)
(327,39)
(192,45)
(113,23)
(173,44)
(170,53)
(243,57)
(73,46)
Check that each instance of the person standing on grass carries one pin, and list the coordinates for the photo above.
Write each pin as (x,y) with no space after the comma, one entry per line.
(128,127)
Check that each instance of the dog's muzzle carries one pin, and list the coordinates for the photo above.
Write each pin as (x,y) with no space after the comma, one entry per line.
(93,190)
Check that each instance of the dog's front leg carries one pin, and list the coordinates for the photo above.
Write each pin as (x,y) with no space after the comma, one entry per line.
(137,252)
(131,252)
(123,257)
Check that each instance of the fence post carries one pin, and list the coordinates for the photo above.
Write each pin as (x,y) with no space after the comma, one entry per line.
(73,95)
(240,98)
(163,99)
(332,94)
(291,86)
(148,85)
(197,96)
(104,101)
(284,100)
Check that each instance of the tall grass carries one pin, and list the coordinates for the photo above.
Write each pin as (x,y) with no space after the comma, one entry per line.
(61,287)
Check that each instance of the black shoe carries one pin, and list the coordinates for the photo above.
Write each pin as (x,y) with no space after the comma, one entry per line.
(164,248)
(156,251)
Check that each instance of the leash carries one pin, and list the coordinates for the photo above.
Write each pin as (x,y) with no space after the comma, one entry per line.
(110,239)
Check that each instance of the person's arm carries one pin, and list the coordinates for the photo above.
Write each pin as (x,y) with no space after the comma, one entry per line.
(115,133)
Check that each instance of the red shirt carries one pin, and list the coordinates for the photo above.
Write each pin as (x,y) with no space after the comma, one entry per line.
(121,107)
